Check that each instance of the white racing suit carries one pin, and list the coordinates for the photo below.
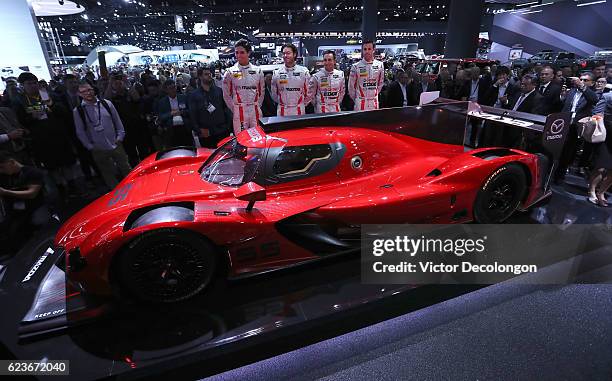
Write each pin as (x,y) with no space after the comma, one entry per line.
(243,88)
(327,90)
(290,90)
(365,82)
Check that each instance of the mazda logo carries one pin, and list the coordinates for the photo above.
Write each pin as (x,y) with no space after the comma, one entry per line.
(557,126)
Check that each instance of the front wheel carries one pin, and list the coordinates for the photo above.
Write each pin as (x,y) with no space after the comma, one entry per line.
(500,195)
(166,266)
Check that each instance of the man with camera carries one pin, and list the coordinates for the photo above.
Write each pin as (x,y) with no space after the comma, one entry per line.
(45,119)
(22,205)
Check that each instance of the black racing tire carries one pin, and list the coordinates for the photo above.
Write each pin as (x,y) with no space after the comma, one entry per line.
(500,194)
(166,266)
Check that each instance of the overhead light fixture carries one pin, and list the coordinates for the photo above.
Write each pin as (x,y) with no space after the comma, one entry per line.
(526,13)
(542,5)
(591,3)
(526,4)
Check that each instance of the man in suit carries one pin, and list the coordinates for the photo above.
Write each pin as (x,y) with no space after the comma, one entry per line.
(579,101)
(528,100)
(550,91)
(476,87)
(426,83)
(501,90)
(402,92)
(174,118)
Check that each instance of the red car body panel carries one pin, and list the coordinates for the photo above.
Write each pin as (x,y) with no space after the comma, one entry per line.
(392,186)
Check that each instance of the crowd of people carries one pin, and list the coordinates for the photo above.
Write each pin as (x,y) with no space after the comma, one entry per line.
(59,138)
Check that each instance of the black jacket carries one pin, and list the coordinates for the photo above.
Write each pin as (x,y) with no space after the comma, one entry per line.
(490,97)
(585,104)
(268,108)
(395,96)
(551,101)
(484,83)
(532,104)
(217,122)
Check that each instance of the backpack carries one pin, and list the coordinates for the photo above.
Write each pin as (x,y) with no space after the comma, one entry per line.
(81,112)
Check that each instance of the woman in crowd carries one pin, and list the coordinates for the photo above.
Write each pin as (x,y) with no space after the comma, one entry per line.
(601,180)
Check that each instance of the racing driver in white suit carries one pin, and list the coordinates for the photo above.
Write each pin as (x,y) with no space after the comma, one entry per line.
(327,85)
(366,79)
(290,85)
(243,89)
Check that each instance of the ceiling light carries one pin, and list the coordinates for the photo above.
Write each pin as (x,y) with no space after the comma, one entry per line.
(591,3)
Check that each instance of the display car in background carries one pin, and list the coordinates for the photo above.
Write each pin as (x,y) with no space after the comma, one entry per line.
(269,200)
(433,66)
(601,57)
(550,57)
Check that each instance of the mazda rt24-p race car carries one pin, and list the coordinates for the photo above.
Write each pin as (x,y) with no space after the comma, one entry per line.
(268,200)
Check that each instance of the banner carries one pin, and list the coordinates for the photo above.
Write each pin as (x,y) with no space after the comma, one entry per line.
(178,23)
(200,28)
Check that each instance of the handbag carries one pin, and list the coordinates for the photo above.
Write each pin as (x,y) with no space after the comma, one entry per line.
(592,129)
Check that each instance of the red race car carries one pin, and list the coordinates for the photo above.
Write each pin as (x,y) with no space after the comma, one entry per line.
(265,201)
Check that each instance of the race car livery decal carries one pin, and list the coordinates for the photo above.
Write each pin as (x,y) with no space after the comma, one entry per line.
(254,134)
(119,195)
(37,265)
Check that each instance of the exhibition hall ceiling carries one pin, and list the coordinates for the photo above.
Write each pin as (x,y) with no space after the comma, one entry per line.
(151,23)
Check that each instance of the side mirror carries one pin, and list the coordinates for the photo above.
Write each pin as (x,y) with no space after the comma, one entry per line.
(250,192)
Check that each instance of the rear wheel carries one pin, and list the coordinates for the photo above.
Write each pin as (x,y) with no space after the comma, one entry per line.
(166,265)
(500,195)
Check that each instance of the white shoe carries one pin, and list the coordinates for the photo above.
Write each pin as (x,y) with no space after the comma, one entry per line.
(592,197)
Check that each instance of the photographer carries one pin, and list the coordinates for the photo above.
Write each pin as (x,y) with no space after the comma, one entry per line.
(22,205)
(45,118)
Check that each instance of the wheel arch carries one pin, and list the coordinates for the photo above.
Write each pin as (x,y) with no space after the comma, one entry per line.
(222,256)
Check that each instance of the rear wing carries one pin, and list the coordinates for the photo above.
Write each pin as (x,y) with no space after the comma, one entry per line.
(539,134)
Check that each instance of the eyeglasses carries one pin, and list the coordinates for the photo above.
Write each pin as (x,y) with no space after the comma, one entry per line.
(585,79)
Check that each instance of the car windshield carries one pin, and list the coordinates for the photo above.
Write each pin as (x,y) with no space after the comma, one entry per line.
(232,164)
